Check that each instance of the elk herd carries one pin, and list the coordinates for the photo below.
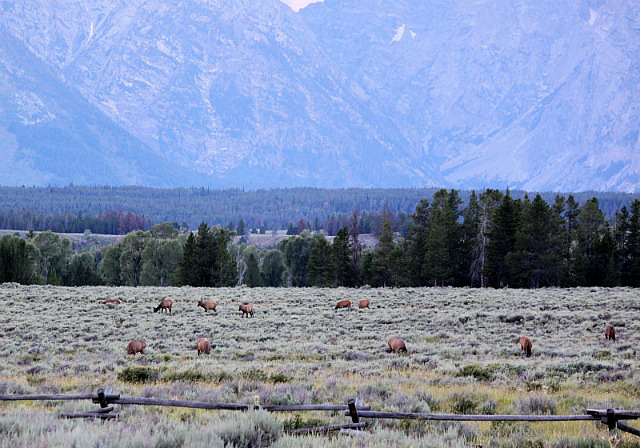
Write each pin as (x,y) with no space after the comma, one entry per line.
(396,345)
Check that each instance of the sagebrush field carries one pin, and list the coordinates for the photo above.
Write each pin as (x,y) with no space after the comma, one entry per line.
(464,357)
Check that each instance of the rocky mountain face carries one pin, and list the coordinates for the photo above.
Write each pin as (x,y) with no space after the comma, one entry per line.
(537,95)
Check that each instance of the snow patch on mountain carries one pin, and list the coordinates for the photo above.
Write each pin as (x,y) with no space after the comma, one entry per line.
(399,34)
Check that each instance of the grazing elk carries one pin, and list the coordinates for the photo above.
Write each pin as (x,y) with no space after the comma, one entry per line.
(525,345)
(246,309)
(364,304)
(343,304)
(609,333)
(166,304)
(112,301)
(203,346)
(397,345)
(208,306)
(136,346)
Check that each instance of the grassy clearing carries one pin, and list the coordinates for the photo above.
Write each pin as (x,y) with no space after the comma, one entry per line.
(464,357)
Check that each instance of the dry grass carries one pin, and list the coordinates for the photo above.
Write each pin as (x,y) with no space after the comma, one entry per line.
(463,356)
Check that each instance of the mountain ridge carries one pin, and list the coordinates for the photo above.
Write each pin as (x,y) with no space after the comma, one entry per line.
(345,93)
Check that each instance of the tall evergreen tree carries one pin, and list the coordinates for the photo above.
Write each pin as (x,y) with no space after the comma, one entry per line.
(345,274)
(468,233)
(383,268)
(186,266)
(321,267)
(534,262)
(502,239)
(242,228)
(634,244)
(587,256)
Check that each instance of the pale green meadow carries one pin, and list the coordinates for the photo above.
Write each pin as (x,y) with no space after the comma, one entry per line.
(464,357)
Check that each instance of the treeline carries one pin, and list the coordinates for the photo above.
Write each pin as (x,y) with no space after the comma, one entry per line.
(269,208)
(108,222)
(494,241)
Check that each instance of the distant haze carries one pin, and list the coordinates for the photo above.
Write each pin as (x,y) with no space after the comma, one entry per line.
(297,5)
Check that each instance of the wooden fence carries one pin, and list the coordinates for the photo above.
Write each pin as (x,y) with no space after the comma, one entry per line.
(613,418)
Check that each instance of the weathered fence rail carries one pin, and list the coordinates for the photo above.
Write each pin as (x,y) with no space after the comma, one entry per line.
(354,409)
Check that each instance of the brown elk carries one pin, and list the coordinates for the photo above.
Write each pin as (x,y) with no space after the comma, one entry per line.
(609,333)
(166,304)
(208,306)
(343,304)
(397,345)
(246,309)
(113,301)
(525,345)
(364,304)
(136,346)
(203,346)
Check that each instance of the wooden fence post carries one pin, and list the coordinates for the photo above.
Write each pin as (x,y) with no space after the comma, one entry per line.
(102,399)
(353,410)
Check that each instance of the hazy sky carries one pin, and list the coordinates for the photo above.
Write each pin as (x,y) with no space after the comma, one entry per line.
(297,4)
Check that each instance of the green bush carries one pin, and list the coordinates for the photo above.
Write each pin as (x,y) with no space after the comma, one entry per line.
(279,378)
(297,422)
(480,373)
(464,402)
(186,375)
(138,375)
(255,375)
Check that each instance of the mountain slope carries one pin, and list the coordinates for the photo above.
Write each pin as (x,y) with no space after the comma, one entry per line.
(238,91)
(49,134)
(537,95)
(501,94)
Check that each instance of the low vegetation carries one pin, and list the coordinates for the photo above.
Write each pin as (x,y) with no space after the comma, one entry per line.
(463,357)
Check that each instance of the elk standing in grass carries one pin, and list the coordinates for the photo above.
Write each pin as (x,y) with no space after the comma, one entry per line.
(397,345)
(203,346)
(246,309)
(343,304)
(609,333)
(136,346)
(525,345)
(166,304)
(208,306)
(364,304)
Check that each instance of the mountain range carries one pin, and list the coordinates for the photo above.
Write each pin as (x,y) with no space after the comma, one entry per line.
(536,95)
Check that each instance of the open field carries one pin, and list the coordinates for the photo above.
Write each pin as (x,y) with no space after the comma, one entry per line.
(464,357)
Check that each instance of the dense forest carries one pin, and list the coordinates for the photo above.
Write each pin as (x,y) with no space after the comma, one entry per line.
(109,222)
(269,208)
(495,240)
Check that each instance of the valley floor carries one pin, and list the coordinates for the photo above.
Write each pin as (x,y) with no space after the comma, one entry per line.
(464,357)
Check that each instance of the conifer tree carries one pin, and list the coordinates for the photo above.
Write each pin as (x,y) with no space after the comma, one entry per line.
(321,266)
(383,270)
(502,238)
(468,234)
(591,228)
(342,259)
(534,262)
